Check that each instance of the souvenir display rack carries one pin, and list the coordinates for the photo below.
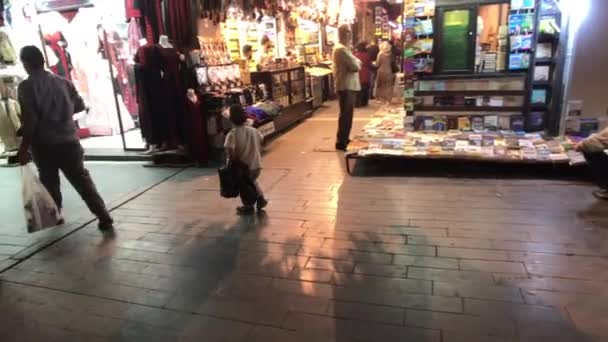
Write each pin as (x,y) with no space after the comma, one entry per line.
(385,137)
(381,27)
(286,87)
(548,71)
(451,98)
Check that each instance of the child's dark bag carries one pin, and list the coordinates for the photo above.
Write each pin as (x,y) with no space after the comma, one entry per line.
(235,180)
(229,186)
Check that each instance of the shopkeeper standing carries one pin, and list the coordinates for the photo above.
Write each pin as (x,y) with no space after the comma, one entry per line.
(248,57)
(346,73)
(266,53)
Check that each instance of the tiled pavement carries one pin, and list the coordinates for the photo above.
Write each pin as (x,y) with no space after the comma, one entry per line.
(336,258)
(117,182)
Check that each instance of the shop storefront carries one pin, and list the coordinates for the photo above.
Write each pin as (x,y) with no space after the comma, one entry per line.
(484,81)
(157,76)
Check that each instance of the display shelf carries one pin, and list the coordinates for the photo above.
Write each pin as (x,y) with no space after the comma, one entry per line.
(470,93)
(544,61)
(493,75)
(542,84)
(384,137)
(502,109)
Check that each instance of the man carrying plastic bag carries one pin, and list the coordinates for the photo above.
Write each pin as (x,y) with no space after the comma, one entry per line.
(48,104)
(40,209)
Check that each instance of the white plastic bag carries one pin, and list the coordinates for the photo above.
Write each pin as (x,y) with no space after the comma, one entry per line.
(40,209)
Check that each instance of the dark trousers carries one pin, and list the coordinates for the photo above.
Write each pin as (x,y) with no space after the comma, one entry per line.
(363,96)
(598,163)
(347,99)
(69,158)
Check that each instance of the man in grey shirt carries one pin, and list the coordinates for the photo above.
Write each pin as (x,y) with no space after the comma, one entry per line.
(48,103)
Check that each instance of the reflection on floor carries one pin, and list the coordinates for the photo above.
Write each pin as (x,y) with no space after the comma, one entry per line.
(397,257)
(133,140)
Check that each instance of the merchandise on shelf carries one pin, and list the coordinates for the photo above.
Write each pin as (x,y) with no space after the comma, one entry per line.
(385,135)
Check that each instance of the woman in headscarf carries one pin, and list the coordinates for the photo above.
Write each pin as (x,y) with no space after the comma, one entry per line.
(386,74)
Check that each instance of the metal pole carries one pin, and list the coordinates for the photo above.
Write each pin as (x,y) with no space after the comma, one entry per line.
(107,46)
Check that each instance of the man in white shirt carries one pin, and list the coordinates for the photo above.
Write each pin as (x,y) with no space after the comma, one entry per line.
(346,74)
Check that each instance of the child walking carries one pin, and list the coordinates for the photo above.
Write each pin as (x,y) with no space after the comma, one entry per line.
(244,144)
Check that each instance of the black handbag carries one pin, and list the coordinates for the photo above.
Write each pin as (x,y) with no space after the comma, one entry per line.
(229,182)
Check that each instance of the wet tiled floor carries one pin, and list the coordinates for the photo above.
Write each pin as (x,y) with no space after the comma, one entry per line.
(335,258)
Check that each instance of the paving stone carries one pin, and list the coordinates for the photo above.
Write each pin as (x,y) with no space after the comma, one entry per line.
(268,334)
(450,275)
(453,336)
(552,284)
(467,253)
(492,266)
(366,312)
(510,311)
(393,271)
(380,247)
(311,275)
(472,290)
(450,242)
(422,261)
(344,254)
(375,284)
(460,323)
(340,330)
(330,265)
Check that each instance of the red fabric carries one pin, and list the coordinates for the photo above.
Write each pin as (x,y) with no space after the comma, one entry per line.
(58,44)
(130,9)
(365,75)
(197,137)
(179,26)
(149,32)
(171,66)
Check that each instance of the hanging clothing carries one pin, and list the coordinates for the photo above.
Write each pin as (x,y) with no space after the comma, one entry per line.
(102,119)
(172,66)
(1,12)
(7,52)
(10,123)
(153,95)
(134,35)
(197,137)
(120,67)
(152,13)
(131,9)
(57,43)
(179,22)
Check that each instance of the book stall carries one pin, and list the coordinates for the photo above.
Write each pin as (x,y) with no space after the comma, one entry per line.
(385,136)
(494,96)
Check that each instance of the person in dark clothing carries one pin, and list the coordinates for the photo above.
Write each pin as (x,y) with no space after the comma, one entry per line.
(373,50)
(48,103)
(364,74)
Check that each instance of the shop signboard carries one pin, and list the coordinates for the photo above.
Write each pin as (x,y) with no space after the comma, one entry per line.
(61,5)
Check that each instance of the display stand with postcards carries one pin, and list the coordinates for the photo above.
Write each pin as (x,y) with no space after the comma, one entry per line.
(479,141)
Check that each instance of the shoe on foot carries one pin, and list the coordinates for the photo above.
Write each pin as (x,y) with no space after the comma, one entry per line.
(60,219)
(245,210)
(106,226)
(262,203)
(601,194)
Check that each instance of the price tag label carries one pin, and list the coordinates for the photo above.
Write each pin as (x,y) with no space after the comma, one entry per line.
(267,129)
